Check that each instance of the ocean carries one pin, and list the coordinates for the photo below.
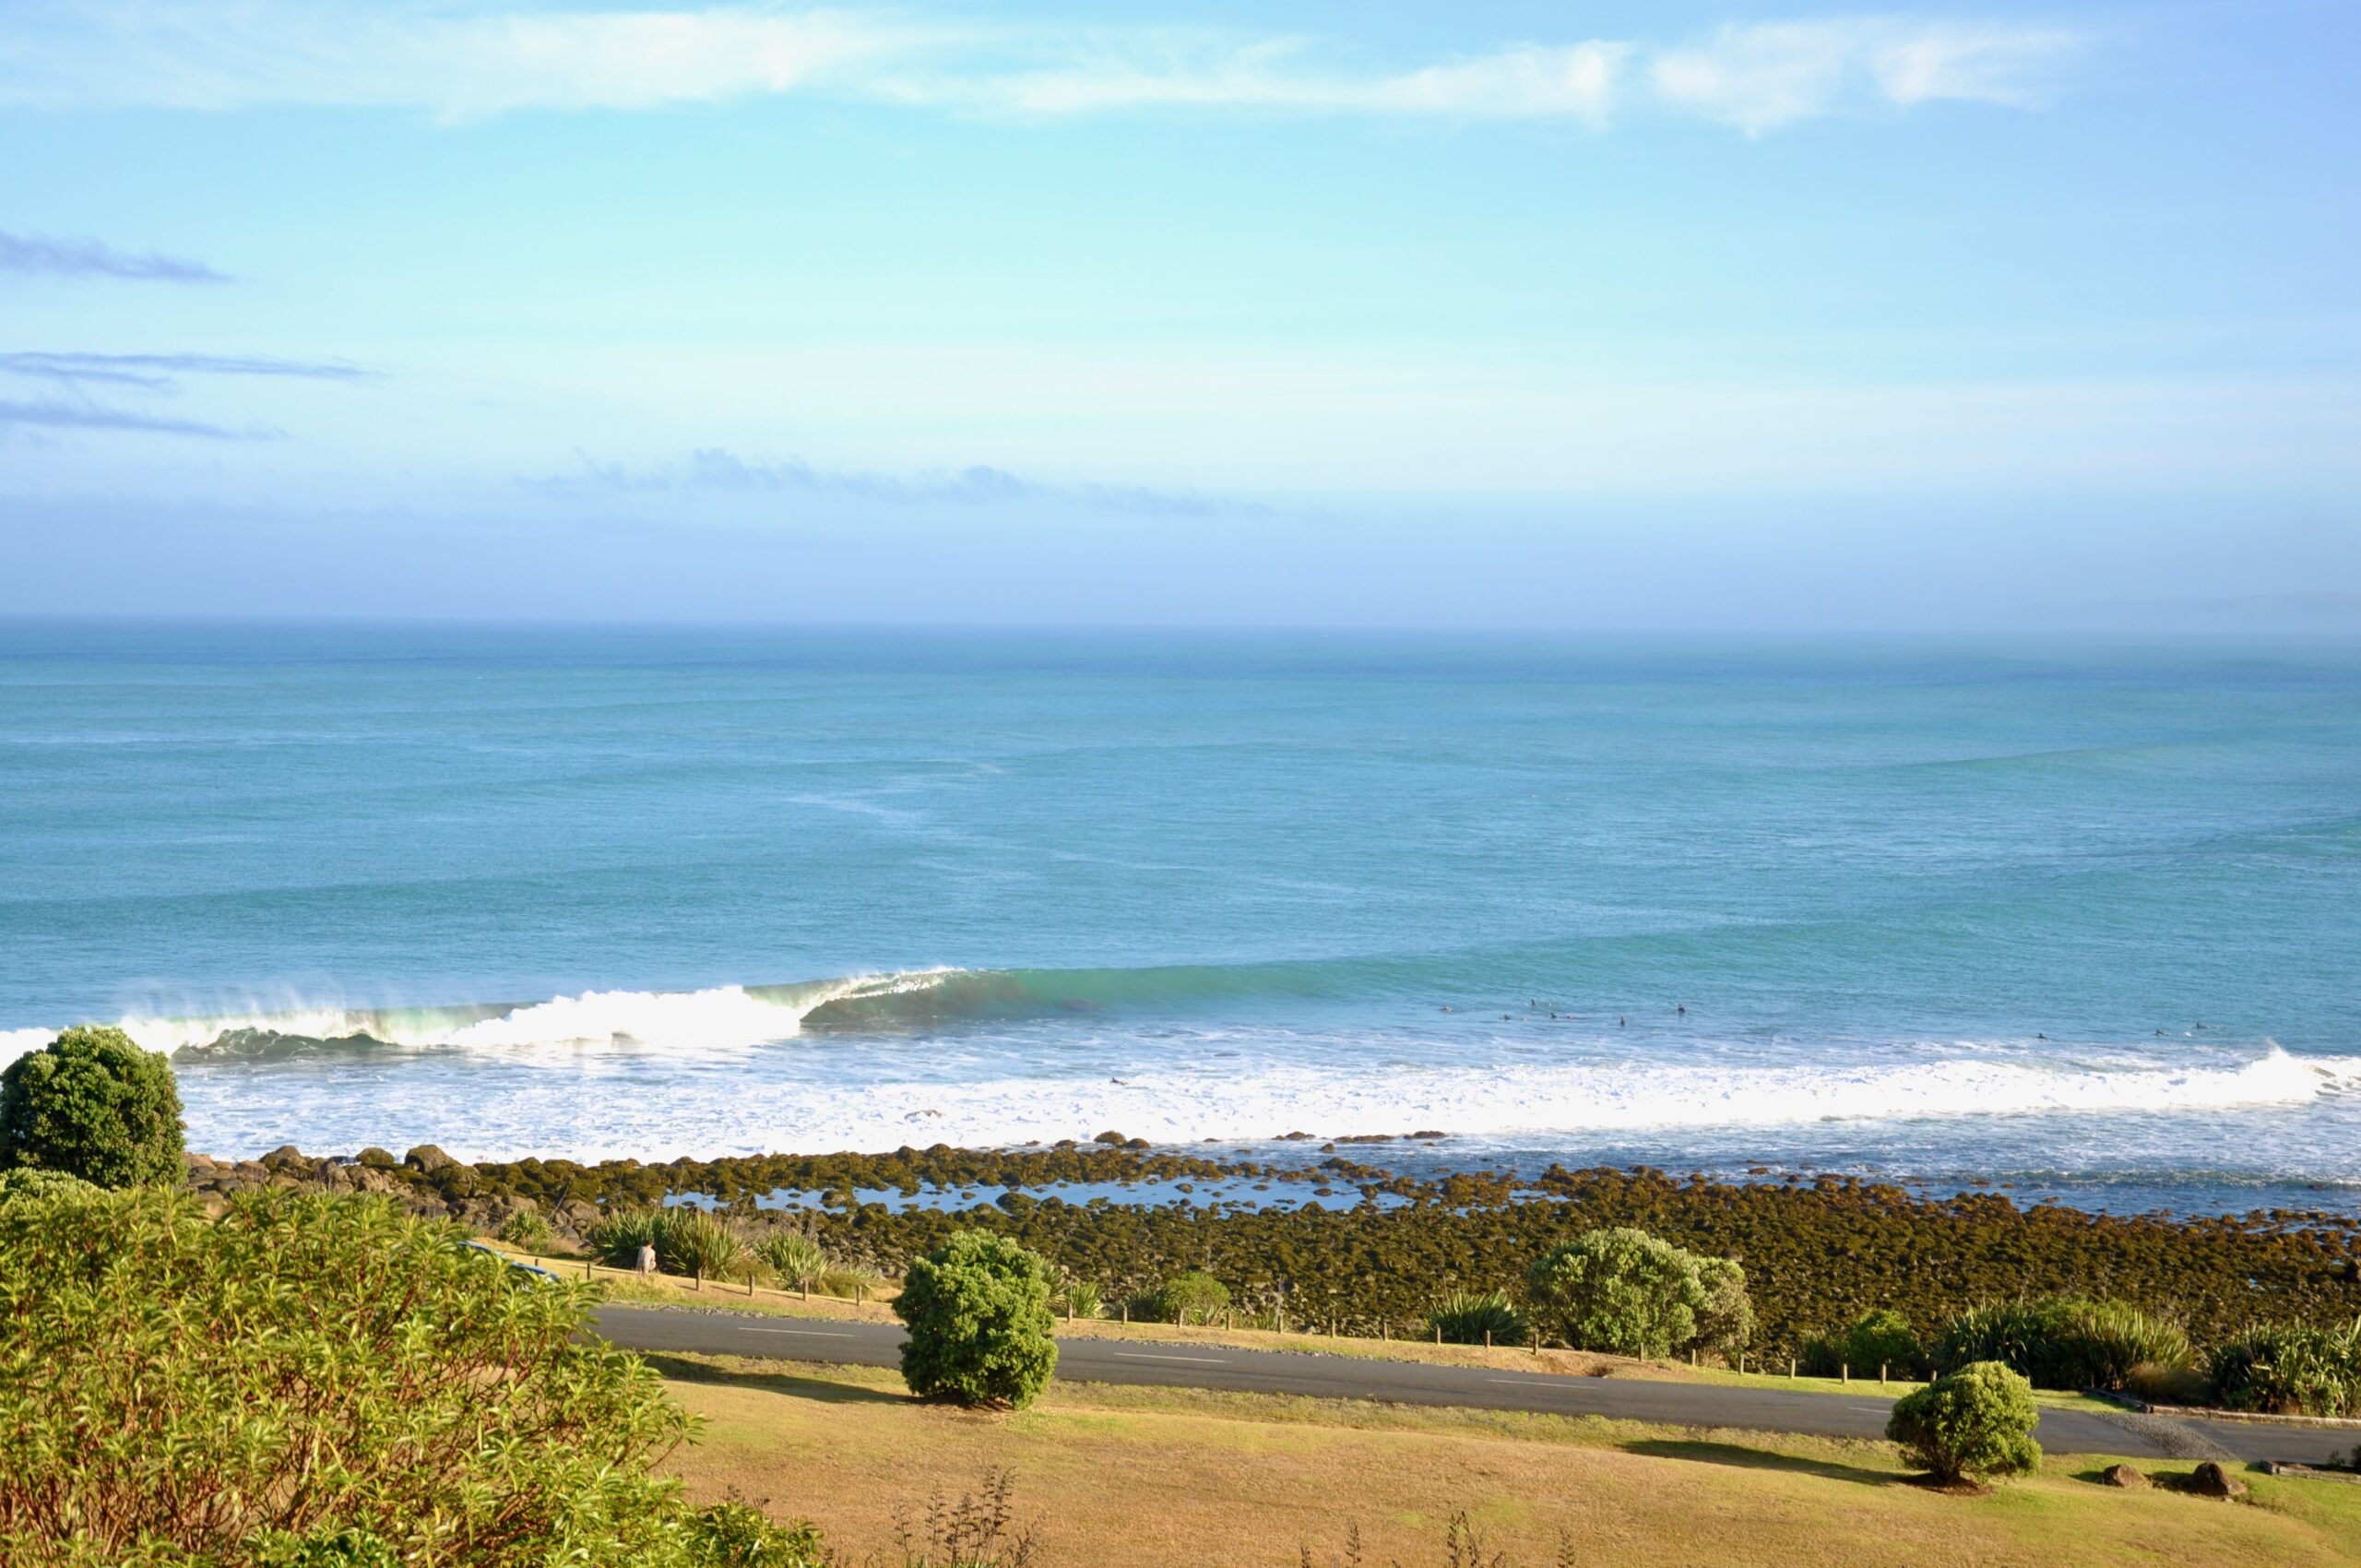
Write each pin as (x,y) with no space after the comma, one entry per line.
(2076,920)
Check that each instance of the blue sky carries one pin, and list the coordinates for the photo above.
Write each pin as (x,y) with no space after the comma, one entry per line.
(1611,314)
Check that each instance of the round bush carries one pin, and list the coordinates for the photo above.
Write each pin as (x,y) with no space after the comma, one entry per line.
(1621,1291)
(94,1105)
(1190,1297)
(1970,1425)
(1470,1319)
(978,1308)
(313,1380)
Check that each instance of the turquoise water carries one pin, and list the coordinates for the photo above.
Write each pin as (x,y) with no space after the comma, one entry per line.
(1943,912)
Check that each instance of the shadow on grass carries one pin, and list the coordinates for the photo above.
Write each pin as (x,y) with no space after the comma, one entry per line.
(819,1389)
(1739,1458)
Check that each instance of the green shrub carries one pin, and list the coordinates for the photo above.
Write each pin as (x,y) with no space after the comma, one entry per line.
(315,1377)
(851,1281)
(1465,1318)
(1080,1298)
(2064,1342)
(738,1535)
(2292,1370)
(325,1547)
(799,1261)
(616,1239)
(689,1241)
(1621,1290)
(94,1105)
(1725,1322)
(1190,1296)
(1970,1425)
(28,1182)
(527,1228)
(978,1308)
(1881,1337)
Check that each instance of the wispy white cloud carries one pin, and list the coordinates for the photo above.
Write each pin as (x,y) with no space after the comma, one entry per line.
(455,64)
(1161,71)
(459,64)
(717,468)
(39,255)
(1762,76)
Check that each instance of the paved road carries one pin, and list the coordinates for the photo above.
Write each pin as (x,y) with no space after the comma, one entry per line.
(1416,1383)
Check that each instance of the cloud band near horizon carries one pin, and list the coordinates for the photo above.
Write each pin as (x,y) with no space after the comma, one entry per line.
(463,65)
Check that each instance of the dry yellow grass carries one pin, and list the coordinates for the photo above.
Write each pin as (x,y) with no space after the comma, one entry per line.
(1141,1476)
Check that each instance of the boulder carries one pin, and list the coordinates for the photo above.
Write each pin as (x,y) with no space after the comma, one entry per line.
(376,1158)
(2123,1476)
(284,1155)
(2209,1480)
(429,1159)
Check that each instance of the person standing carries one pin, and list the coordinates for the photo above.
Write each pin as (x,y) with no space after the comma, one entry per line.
(646,1262)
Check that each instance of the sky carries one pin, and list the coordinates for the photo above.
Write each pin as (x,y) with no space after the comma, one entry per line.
(1731,314)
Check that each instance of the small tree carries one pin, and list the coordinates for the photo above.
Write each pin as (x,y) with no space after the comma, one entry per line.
(94,1105)
(1193,1296)
(1621,1290)
(1970,1425)
(1725,1322)
(978,1308)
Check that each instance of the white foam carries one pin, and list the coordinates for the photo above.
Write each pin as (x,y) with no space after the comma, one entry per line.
(720,1018)
(19,1042)
(847,1100)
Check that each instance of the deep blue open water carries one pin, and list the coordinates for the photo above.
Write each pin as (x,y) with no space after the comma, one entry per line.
(1945,912)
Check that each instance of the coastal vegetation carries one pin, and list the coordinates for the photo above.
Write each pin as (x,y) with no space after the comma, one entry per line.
(94,1105)
(312,1381)
(981,1331)
(1972,1424)
(2065,1341)
(1469,1317)
(1627,1292)
(2287,1369)
(1817,1255)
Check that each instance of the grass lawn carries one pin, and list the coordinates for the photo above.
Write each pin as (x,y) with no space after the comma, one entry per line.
(1162,1476)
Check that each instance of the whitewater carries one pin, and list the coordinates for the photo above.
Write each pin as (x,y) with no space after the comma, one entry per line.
(2074,922)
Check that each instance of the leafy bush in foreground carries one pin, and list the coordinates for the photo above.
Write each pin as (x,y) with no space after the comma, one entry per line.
(1970,1425)
(94,1105)
(978,1313)
(1470,1319)
(1626,1291)
(2292,1370)
(311,1382)
(2064,1342)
